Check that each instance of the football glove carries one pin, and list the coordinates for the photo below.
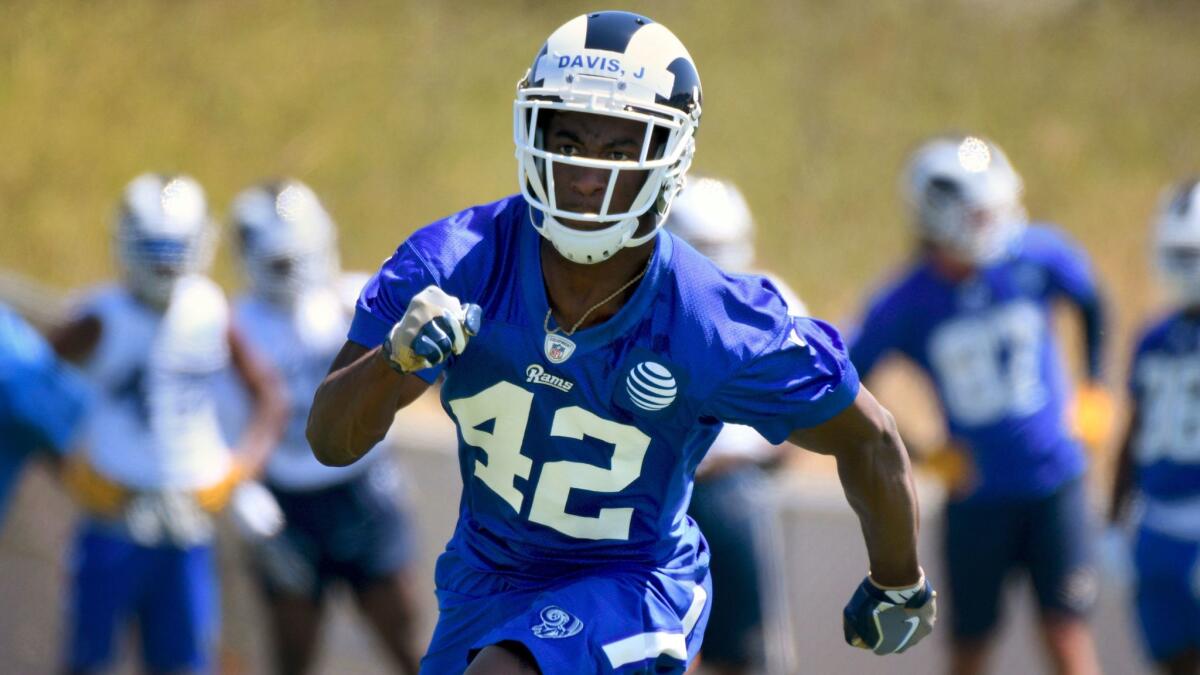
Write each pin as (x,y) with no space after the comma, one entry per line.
(92,491)
(1092,416)
(951,466)
(255,511)
(889,620)
(434,326)
(214,498)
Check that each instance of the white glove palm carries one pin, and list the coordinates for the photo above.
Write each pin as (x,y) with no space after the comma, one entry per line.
(434,326)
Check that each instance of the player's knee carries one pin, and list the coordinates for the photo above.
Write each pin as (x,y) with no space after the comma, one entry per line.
(505,658)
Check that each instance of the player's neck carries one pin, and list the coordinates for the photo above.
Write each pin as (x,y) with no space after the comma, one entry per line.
(573,288)
(949,266)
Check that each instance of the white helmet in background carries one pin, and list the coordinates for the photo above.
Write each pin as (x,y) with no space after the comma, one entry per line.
(163,232)
(622,65)
(965,197)
(712,216)
(1177,239)
(287,239)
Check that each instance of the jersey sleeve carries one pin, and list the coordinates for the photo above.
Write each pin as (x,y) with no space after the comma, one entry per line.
(1069,268)
(51,403)
(876,334)
(385,298)
(803,378)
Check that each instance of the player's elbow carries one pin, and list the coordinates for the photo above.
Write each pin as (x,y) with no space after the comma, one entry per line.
(328,446)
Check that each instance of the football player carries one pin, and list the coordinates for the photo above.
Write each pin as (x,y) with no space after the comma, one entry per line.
(342,524)
(973,311)
(43,402)
(749,629)
(589,361)
(156,466)
(1160,457)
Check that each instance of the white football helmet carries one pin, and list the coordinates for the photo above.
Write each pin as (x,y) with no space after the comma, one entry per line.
(712,216)
(626,66)
(162,232)
(287,239)
(1177,239)
(965,197)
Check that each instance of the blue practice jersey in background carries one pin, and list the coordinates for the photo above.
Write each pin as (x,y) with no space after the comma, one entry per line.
(1165,384)
(42,401)
(988,345)
(588,458)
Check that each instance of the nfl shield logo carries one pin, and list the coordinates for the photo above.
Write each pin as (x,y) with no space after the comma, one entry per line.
(558,348)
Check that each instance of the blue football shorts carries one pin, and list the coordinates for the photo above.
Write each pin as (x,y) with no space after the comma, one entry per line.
(1048,537)
(1168,593)
(628,620)
(170,593)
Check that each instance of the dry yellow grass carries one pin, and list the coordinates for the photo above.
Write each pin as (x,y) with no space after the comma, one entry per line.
(399,112)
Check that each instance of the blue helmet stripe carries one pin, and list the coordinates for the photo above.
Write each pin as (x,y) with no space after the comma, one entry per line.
(612,31)
(686,90)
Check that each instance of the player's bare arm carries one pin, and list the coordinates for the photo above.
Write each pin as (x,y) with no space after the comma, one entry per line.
(355,404)
(875,473)
(270,405)
(1123,472)
(894,607)
(76,339)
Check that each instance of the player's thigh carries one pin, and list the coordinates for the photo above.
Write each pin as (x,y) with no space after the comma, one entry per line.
(106,575)
(1168,606)
(981,546)
(1060,553)
(729,510)
(611,623)
(179,615)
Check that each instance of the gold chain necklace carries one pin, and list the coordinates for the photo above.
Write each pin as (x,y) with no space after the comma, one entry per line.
(569,333)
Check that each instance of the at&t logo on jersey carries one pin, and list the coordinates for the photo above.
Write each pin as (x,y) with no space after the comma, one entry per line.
(556,623)
(651,386)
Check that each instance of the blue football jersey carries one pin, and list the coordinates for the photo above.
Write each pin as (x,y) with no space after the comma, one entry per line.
(988,345)
(582,453)
(42,400)
(1165,384)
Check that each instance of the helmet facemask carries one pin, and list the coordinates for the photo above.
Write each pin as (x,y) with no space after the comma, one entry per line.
(287,240)
(978,233)
(1177,242)
(618,65)
(965,198)
(162,233)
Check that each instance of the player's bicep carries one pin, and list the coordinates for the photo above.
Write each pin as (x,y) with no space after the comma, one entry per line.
(858,425)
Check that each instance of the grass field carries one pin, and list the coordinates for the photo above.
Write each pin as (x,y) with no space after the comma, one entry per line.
(399,112)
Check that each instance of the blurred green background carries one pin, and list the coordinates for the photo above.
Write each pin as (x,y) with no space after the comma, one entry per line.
(400,112)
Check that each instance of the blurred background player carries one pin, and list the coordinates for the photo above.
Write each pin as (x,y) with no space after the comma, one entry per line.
(43,402)
(973,310)
(156,467)
(341,523)
(732,500)
(1160,457)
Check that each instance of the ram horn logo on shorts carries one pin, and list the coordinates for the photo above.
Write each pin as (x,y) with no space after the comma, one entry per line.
(556,623)
(651,386)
